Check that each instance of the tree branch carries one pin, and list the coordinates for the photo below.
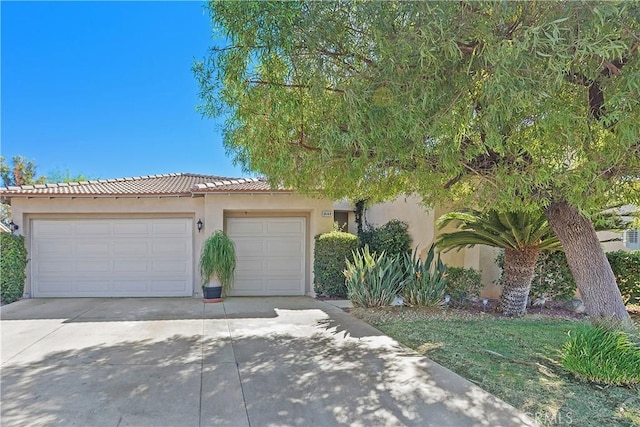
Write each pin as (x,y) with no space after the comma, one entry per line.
(289,85)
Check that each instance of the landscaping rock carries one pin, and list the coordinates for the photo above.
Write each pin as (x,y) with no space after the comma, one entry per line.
(575,305)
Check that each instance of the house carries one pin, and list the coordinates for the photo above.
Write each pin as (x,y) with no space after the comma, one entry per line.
(141,236)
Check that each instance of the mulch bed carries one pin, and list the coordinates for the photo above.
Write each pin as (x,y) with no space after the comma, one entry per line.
(550,309)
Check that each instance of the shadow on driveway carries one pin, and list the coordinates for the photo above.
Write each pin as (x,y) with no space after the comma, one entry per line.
(287,363)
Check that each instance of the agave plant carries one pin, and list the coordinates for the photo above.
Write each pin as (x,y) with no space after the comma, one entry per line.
(373,280)
(522,235)
(425,281)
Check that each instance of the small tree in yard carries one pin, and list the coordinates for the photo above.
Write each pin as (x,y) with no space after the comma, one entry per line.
(522,236)
(514,106)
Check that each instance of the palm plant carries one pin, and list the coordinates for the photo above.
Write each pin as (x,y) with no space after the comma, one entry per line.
(218,261)
(522,235)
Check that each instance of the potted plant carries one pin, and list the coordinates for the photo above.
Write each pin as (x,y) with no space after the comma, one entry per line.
(217,266)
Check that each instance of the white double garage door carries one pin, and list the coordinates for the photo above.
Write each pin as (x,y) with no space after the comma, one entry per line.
(155,257)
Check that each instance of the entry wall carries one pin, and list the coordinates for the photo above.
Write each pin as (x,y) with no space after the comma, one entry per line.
(319,214)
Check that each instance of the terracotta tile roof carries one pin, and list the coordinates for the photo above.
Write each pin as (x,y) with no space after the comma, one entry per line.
(148,185)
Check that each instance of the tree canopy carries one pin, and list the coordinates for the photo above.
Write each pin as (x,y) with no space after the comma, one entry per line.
(507,104)
(22,171)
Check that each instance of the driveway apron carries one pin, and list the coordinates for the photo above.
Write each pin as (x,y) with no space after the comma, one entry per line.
(291,361)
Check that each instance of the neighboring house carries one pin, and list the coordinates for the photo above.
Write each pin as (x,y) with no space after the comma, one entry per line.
(140,236)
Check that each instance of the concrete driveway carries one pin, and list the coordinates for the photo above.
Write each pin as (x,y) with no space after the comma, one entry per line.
(245,362)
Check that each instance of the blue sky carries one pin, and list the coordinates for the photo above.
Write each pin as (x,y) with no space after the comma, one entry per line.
(106,89)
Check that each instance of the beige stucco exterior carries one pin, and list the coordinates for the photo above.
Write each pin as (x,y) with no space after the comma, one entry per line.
(214,208)
(211,208)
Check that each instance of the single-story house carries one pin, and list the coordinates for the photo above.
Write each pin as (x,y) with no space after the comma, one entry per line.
(142,236)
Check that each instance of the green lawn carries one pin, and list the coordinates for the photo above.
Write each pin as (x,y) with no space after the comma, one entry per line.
(518,360)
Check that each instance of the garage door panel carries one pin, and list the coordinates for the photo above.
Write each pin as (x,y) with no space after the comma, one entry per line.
(247,287)
(285,227)
(249,247)
(88,286)
(92,229)
(93,248)
(247,227)
(53,247)
(129,286)
(284,246)
(170,267)
(93,267)
(130,267)
(130,249)
(173,247)
(56,228)
(75,257)
(54,267)
(59,286)
(249,266)
(270,255)
(283,266)
(283,285)
(169,228)
(130,229)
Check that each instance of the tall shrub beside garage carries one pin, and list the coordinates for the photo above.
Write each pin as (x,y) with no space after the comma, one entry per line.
(12,267)
(330,254)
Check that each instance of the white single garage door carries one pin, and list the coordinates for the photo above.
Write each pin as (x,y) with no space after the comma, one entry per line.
(270,255)
(142,257)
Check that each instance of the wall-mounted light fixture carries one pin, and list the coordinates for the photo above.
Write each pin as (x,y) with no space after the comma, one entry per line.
(13,227)
(199,224)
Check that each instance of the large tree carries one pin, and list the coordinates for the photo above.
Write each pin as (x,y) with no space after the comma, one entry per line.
(512,105)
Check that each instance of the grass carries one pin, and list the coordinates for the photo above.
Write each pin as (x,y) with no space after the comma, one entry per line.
(518,360)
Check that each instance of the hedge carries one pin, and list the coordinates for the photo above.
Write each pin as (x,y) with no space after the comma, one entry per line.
(551,277)
(12,267)
(330,254)
(626,268)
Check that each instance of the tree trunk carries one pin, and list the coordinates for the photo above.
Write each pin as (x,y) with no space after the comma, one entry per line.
(518,272)
(588,263)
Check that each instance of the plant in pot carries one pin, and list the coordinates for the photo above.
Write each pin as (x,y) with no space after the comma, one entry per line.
(217,266)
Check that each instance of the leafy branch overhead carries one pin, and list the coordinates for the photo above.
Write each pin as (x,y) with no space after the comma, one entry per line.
(516,106)
(489,102)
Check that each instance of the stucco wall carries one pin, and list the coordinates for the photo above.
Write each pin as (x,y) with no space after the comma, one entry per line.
(410,210)
(211,208)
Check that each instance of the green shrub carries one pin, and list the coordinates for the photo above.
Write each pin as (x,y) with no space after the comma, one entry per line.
(462,284)
(425,280)
(626,268)
(551,276)
(12,267)
(602,355)
(330,254)
(392,238)
(373,280)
